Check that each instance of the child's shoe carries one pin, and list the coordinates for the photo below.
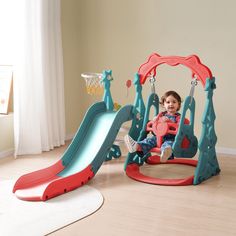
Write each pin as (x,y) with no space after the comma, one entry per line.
(165,154)
(131,144)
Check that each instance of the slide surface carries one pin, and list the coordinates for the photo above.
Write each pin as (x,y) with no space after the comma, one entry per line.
(81,160)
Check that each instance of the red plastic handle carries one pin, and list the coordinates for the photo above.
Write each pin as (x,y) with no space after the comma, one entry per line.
(149,126)
(192,62)
(160,129)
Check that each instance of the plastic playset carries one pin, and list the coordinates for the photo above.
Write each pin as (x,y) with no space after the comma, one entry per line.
(94,141)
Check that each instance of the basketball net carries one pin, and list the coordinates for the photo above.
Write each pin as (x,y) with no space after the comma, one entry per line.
(93,83)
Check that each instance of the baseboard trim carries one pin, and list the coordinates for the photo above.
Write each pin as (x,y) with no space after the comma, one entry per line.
(219,150)
(6,153)
(10,152)
(228,151)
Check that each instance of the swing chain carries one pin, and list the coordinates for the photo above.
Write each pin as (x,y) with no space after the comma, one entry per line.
(152,81)
(193,85)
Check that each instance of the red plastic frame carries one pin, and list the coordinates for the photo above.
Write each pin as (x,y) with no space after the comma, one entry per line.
(44,184)
(133,172)
(192,62)
(160,129)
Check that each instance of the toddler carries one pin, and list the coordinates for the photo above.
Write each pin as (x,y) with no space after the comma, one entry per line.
(171,101)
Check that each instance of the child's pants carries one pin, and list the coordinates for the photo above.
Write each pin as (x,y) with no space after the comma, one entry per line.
(150,142)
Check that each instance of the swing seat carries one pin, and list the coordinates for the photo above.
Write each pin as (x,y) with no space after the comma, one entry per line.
(160,129)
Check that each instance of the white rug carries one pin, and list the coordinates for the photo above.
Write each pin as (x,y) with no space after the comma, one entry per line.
(24,218)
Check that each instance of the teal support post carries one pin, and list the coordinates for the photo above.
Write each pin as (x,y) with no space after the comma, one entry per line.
(138,112)
(186,131)
(115,151)
(153,101)
(106,80)
(207,163)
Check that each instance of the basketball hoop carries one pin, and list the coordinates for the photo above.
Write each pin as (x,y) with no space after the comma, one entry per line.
(93,83)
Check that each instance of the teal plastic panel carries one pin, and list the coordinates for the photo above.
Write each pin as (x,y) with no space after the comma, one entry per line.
(208,165)
(138,116)
(94,138)
(186,130)
(122,115)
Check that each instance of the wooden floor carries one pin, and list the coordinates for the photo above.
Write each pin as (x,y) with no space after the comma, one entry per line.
(134,208)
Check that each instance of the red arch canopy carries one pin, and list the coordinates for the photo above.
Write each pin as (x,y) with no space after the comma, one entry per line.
(193,62)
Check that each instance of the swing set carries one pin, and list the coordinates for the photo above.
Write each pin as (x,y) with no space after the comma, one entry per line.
(186,144)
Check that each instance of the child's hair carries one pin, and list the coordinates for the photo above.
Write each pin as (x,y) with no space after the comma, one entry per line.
(171,93)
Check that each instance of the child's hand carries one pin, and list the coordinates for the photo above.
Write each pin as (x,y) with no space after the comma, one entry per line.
(164,119)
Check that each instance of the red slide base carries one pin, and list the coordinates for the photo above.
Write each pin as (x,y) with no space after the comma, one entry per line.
(133,172)
(30,187)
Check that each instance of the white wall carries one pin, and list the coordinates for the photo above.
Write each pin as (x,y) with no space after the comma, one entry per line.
(120,35)
(6,135)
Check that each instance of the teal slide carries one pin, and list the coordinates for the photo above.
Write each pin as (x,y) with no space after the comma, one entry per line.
(81,160)
(94,138)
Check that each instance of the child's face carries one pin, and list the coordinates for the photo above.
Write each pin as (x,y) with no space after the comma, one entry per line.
(171,105)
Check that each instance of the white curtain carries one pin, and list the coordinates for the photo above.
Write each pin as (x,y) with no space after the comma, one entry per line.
(39,115)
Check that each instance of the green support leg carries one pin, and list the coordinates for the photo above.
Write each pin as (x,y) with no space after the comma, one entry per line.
(114,152)
(138,111)
(207,164)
